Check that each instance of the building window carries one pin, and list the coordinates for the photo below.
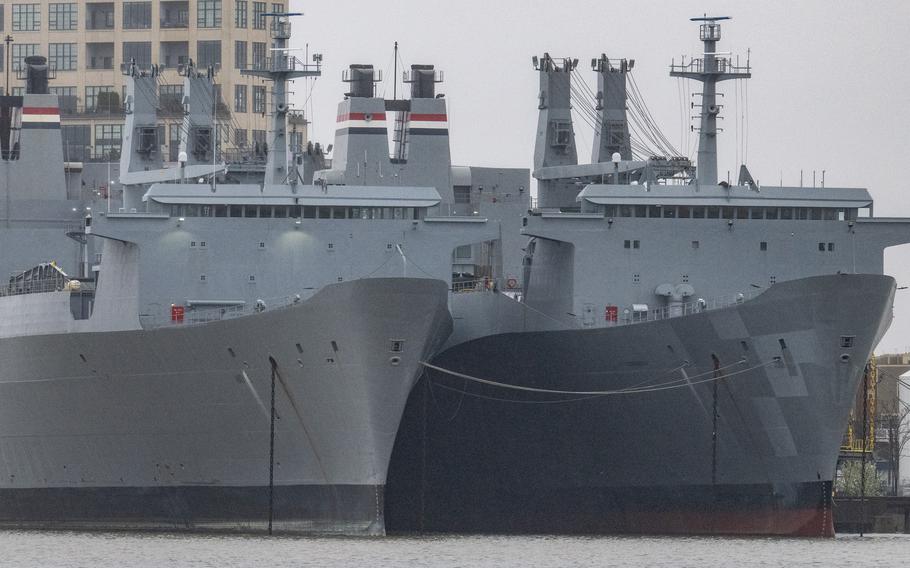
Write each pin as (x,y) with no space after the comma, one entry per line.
(137,15)
(101,98)
(240,97)
(240,56)
(1,19)
(62,56)
(174,15)
(258,99)
(259,51)
(170,97)
(138,51)
(26,17)
(208,53)
(21,51)
(77,140)
(67,98)
(772,280)
(821,247)
(636,244)
(695,244)
(240,137)
(107,141)
(241,9)
(276,9)
(208,13)
(636,278)
(99,16)
(830,247)
(258,17)
(62,17)
(627,244)
(763,246)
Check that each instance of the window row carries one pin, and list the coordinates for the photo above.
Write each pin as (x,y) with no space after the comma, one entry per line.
(297,212)
(762,245)
(712,212)
(101,55)
(64,16)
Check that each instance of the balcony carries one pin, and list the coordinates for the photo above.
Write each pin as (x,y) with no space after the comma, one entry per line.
(99,16)
(99,56)
(174,53)
(175,15)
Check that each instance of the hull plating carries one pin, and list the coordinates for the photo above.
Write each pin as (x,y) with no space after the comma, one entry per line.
(175,421)
(474,457)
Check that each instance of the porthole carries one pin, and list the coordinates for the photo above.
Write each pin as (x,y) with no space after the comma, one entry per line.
(394,361)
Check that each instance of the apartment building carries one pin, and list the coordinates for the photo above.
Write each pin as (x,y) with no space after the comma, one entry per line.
(86,43)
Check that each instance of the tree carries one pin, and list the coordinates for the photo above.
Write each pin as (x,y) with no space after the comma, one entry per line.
(893,425)
(848,482)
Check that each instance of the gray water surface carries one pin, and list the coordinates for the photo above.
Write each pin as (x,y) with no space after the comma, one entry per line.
(24,549)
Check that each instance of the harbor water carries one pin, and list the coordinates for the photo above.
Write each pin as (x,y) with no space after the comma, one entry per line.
(25,549)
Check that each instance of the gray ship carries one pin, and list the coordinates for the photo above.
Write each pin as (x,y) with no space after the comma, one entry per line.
(138,393)
(685,353)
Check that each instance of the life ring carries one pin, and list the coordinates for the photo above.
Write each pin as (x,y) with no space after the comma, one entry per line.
(511,283)
(368,116)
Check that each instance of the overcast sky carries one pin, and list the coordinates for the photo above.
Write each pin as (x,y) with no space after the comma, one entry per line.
(830,88)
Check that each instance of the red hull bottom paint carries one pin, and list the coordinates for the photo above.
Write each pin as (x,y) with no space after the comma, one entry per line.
(800,523)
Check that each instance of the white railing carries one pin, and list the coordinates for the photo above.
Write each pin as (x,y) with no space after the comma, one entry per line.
(454,210)
(628,317)
(45,286)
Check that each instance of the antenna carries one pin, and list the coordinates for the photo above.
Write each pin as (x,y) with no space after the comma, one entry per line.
(395,74)
(711,68)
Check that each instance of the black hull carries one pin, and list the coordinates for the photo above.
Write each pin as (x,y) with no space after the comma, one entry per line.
(476,458)
(329,509)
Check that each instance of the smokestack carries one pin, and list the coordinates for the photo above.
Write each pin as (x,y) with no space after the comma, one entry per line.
(423,82)
(36,75)
(361,78)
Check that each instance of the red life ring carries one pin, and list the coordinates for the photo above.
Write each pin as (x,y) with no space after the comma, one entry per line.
(512,283)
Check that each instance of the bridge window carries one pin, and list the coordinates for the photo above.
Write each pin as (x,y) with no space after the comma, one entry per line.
(763,246)
(684,212)
(771,213)
(625,210)
(743,213)
(641,211)
(653,211)
(713,212)
(698,212)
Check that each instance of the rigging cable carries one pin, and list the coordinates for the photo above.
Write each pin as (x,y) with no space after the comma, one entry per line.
(670,385)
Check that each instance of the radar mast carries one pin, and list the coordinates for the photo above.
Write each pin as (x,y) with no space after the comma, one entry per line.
(279,69)
(710,69)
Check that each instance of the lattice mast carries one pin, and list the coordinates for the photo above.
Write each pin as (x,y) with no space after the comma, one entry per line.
(280,68)
(711,68)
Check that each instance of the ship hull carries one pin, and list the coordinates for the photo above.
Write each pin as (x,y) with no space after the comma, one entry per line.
(779,372)
(169,428)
